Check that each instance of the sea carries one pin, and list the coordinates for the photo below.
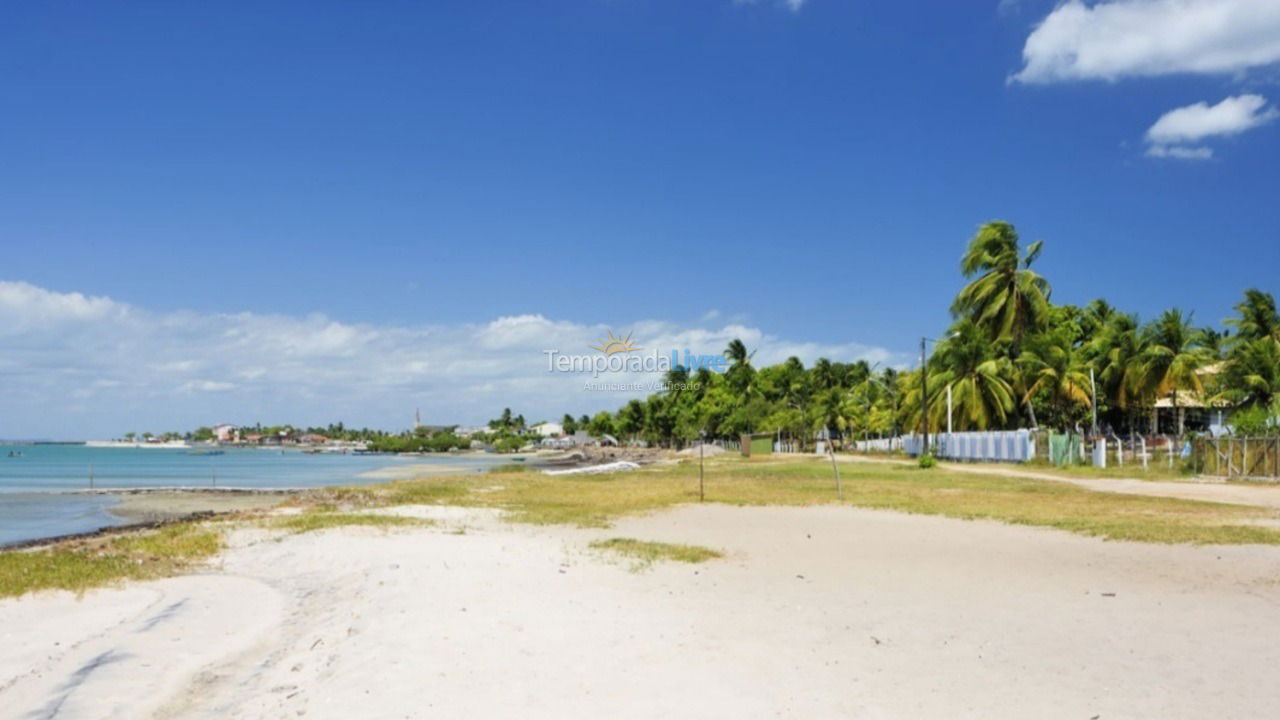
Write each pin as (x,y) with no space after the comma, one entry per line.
(37,482)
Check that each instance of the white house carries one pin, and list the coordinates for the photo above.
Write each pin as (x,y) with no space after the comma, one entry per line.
(224,432)
(548,429)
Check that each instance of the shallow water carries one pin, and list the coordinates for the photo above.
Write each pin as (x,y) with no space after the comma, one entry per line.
(35,501)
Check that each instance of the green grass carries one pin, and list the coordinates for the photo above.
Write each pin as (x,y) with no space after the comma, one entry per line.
(324,519)
(80,565)
(647,553)
(596,500)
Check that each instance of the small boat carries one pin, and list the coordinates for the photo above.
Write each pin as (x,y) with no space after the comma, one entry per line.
(15,453)
(207,452)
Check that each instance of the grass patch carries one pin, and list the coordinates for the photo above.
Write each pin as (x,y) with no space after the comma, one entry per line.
(647,553)
(78,565)
(596,500)
(325,519)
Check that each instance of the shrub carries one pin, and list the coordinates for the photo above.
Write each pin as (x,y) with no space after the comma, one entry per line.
(927,461)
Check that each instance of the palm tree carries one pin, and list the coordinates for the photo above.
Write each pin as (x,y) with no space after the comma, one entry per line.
(1258,317)
(1252,374)
(1007,299)
(981,394)
(824,374)
(1115,351)
(1172,359)
(676,380)
(740,372)
(737,353)
(1053,364)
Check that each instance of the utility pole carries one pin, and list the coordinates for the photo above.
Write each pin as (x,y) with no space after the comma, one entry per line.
(702,449)
(924,398)
(948,413)
(1094,388)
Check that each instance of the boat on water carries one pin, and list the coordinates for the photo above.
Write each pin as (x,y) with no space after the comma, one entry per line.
(207,452)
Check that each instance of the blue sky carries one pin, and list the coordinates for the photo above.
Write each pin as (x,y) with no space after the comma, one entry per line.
(808,172)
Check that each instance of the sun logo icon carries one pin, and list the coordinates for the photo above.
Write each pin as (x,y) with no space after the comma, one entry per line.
(614,345)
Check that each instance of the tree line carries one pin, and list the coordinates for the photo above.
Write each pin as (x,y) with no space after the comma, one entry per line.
(1012,358)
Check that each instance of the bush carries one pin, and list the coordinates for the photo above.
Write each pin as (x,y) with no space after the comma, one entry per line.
(1253,422)
(927,461)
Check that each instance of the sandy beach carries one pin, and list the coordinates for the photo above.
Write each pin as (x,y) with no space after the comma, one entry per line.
(813,612)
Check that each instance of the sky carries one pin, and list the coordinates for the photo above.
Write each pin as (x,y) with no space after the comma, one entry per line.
(322,211)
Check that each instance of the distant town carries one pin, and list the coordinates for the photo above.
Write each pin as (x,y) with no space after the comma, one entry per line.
(507,433)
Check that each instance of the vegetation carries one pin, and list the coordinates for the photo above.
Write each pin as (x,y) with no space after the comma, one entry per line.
(82,564)
(324,518)
(647,553)
(1011,357)
(596,500)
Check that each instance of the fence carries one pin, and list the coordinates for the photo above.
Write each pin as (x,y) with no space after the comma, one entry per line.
(996,446)
(890,444)
(1236,457)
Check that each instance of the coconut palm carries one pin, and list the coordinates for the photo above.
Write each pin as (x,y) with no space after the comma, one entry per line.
(1257,317)
(1252,374)
(1053,365)
(1006,298)
(1114,352)
(740,372)
(823,374)
(1172,360)
(981,394)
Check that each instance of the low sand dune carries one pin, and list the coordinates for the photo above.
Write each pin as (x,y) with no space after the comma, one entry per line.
(816,612)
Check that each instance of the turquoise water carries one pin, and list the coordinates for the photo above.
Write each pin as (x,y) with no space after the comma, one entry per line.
(34,483)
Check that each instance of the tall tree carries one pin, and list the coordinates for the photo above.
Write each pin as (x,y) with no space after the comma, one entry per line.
(1256,317)
(981,396)
(1172,360)
(1055,366)
(1005,297)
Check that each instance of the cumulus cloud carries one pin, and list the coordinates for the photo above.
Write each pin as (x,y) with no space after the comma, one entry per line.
(75,366)
(1195,122)
(1172,132)
(1135,38)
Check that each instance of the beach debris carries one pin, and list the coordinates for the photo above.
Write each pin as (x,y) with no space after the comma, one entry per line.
(617,466)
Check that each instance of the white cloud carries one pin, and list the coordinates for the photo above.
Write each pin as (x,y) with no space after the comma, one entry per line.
(1180,152)
(76,366)
(1195,122)
(1133,38)
(1172,132)
(792,5)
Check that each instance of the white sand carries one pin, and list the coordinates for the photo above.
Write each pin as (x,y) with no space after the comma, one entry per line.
(820,612)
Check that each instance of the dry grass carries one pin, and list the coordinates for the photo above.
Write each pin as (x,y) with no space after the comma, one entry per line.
(325,519)
(595,500)
(647,553)
(81,564)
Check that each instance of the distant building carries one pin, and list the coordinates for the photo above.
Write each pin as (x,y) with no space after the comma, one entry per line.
(224,432)
(313,439)
(548,429)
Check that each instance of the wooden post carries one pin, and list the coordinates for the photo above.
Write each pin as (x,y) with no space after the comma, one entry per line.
(835,468)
